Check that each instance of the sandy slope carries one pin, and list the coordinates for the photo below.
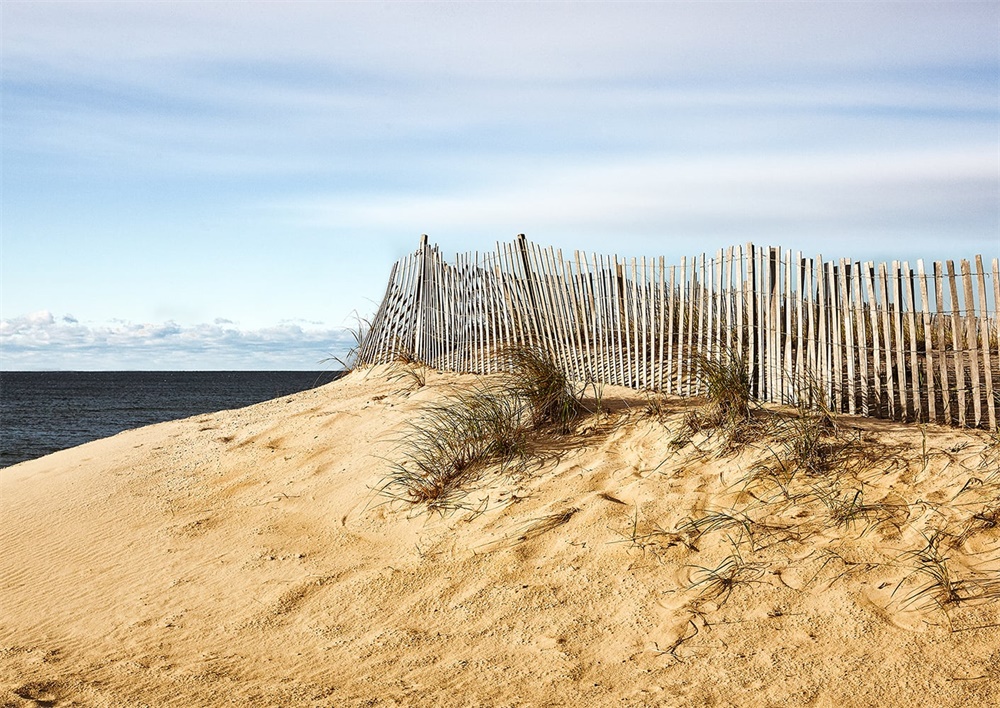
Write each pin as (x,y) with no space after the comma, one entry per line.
(243,558)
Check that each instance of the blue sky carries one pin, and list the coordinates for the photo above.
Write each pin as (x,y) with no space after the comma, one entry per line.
(221,185)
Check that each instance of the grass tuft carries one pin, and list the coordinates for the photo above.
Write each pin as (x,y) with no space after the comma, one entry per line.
(727,379)
(533,376)
(449,446)
(718,583)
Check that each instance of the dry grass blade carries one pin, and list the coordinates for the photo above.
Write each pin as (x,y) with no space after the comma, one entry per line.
(412,372)
(847,508)
(693,529)
(450,444)
(985,519)
(718,583)
(727,380)
(546,523)
(359,332)
(537,379)
(941,588)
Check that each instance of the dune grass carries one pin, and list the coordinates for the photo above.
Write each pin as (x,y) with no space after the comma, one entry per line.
(534,377)
(451,444)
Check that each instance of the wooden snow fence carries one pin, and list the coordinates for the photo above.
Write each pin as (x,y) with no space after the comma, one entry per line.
(882,340)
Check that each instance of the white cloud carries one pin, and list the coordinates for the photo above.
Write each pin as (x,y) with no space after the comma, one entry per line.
(800,199)
(543,40)
(40,340)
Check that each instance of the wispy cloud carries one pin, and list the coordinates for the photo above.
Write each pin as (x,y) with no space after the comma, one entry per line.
(41,340)
(664,201)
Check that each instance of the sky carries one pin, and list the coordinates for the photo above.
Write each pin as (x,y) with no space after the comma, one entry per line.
(225,185)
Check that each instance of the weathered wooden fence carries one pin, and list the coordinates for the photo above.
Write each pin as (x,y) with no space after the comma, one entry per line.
(881,340)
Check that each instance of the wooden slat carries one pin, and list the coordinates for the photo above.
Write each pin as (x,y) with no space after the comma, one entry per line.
(673,308)
(812,337)
(886,343)
(437,337)
(984,333)
(916,394)
(568,331)
(695,298)
(928,343)
(648,338)
(942,353)
(787,374)
(897,325)
(474,312)
(652,310)
(571,282)
(710,292)
(578,312)
(861,337)
(495,314)
(583,305)
(739,296)
(551,342)
(625,319)
(597,321)
(601,278)
(519,296)
(750,306)
(682,321)
(622,330)
(836,337)
(557,340)
(996,316)
(491,323)
(763,321)
(721,332)
(880,405)
(455,302)
(958,360)
(662,326)
(971,337)
(610,300)
(699,340)
(771,329)
(370,347)
(824,349)
(731,335)
(800,351)
(847,322)
(632,288)
(502,312)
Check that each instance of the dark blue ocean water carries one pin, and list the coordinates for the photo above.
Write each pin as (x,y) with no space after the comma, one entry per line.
(42,412)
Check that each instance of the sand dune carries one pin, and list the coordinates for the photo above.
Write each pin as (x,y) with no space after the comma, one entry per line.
(245,558)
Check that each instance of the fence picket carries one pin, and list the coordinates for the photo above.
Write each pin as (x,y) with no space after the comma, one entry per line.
(984,333)
(848,325)
(857,316)
(928,342)
(916,400)
(897,322)
(662,328)
(958,360)
(970,340)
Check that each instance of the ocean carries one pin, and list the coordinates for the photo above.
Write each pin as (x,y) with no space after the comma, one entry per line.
(42,412)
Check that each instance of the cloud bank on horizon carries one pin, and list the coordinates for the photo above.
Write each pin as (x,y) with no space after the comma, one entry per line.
(42,341)
(181,163)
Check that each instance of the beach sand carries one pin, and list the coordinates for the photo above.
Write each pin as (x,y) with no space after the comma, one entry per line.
(246,558)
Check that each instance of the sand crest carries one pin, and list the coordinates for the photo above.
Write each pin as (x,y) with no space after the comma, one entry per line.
(244,557)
